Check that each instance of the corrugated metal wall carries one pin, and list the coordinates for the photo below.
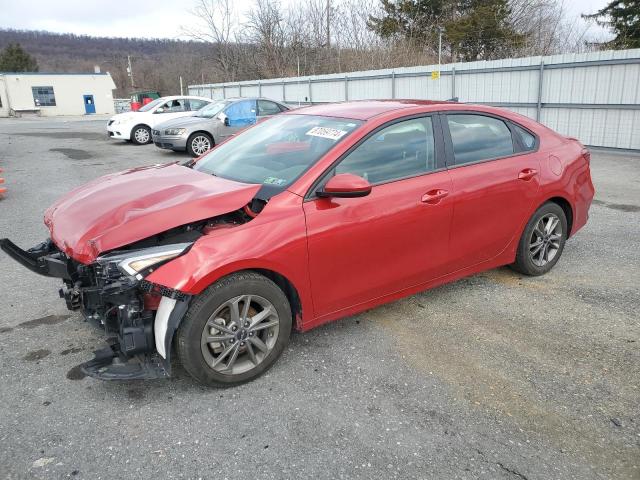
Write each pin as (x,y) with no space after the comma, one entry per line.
(592,96)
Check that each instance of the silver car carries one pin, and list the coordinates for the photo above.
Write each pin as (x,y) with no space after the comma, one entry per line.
(213,124)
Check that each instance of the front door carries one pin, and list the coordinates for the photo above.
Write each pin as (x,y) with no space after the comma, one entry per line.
(89,105)
(394,238)
(240,115)
(494,186)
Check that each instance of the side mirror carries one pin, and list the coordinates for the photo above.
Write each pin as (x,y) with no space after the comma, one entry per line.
(345,185)
(224,119)
(159,110)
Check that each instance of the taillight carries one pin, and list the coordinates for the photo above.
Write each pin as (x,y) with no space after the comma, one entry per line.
(587,155)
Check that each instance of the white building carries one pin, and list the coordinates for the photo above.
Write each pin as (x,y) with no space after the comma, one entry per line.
(50,94)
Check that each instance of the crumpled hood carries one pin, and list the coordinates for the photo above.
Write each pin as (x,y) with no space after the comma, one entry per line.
(122,208)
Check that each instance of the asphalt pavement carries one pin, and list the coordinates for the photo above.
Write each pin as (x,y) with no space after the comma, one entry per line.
(497,376)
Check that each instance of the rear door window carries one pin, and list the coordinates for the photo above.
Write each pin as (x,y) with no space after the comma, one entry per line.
(266,107)
(195,105)
(478,137)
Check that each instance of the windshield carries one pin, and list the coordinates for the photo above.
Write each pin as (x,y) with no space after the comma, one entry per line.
(278,150)
(150,105)
(211,110)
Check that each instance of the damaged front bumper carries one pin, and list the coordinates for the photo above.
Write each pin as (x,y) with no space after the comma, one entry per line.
(139,317)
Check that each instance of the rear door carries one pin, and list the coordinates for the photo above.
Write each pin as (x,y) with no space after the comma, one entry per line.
(392,239)
(267,108)
(495,182)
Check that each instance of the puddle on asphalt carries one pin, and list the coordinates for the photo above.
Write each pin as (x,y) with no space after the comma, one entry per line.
(622,207)
(73,153)
(48,320)
(36,355)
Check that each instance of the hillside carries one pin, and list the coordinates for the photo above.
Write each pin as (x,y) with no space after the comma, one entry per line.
(157,63)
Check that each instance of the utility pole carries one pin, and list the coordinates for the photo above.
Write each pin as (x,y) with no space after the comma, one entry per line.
(181,85)
(130,71)
(439,47)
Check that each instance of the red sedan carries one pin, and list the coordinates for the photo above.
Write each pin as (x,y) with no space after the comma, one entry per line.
(307,217)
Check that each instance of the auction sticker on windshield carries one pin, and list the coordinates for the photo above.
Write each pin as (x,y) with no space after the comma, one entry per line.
(325,132)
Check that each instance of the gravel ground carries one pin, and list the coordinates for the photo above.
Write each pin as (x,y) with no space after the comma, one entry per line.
(492,377)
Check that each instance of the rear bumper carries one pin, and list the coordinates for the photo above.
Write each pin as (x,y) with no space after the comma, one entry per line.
(584,193)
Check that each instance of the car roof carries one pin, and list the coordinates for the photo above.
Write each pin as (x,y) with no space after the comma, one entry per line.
(175,97)
(364,109)
(237,99)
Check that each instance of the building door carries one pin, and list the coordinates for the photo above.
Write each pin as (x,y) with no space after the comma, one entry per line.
(89,105)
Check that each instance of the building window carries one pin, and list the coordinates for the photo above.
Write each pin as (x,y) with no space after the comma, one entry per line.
(43,96)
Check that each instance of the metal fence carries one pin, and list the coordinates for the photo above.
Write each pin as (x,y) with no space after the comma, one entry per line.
(592,96)
(121,105)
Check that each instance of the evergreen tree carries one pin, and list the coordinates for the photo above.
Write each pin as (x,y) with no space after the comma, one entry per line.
(623,18)
(15,59)
(473,29)
(482,30)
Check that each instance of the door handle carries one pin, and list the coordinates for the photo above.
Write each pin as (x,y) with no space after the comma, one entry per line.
(433,197)
(527,174)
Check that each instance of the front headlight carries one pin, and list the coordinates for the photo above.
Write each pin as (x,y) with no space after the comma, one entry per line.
(115,122)
(139,262)
(175,131)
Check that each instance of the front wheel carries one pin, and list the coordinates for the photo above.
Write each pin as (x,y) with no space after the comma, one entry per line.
(235,330)
(542,241)
(199,144)
(141,135)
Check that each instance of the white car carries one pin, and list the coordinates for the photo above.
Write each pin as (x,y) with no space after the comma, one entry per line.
(136,126)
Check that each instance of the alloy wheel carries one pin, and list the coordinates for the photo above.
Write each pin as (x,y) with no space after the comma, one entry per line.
(240,334)
(545,240)
(200,145)
(141,135)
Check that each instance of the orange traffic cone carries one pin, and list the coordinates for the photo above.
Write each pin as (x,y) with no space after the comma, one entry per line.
(2,190)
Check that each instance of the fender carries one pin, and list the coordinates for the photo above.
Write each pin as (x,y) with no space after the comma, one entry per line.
(256,245)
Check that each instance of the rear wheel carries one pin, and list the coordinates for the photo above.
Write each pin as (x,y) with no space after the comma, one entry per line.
(141,135)
(542,241)
(235,330)
(199,144)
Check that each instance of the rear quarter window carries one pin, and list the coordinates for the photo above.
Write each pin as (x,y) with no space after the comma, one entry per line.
(528,140)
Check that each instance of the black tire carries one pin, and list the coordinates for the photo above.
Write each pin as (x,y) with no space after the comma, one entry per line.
(189,337)
(529,259)
(143,132)
(193,138)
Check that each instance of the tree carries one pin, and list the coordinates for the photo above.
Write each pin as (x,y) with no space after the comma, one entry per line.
(482,30)
(413,20)
(15,59)
(217,27)
(473,29)
(623,18)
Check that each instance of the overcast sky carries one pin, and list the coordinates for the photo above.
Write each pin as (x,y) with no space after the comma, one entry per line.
(142,18)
